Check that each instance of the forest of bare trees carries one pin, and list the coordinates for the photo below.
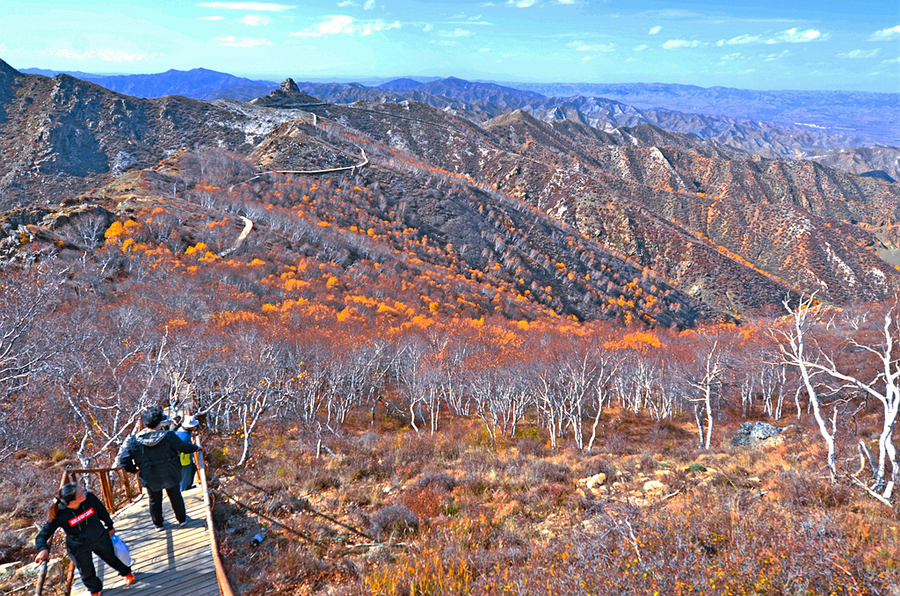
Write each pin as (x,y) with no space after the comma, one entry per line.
(333,325)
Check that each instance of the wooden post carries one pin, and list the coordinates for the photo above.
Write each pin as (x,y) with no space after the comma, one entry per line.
(70,577)
(42,575)
(106,488)
(128,494)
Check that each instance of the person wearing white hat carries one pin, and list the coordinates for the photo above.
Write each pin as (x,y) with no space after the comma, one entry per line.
(188,467)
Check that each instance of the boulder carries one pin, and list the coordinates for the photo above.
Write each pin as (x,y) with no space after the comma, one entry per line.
(755,434)
(593,485)
(653,487)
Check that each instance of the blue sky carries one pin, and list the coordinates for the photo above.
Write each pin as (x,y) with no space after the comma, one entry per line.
(752,44)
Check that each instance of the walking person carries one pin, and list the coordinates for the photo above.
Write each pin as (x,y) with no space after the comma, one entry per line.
(188,467)
(88,529)
(154,454)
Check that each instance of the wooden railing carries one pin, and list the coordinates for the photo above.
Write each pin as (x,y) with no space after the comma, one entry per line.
(221,577)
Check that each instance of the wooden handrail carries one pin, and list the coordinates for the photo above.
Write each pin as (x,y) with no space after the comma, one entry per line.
(105,485)
(221,577)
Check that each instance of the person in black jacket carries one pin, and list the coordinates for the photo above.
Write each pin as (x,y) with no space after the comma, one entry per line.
(88,529)
(154,453)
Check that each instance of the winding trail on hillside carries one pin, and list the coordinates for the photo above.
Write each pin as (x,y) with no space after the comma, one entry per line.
(353,168)
(248,226)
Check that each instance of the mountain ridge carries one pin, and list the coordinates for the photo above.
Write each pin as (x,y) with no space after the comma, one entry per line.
(733,234)
(782,124)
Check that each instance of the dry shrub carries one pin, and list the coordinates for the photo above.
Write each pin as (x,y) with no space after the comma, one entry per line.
(616,442)
(550,496)
(799,491)
(544,472)
(426,502)
(531,447)
(598,465)
(698,548)
(393,520)
(315,478)
(439,481)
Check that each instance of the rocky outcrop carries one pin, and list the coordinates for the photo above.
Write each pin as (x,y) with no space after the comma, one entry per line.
(62,136)
(288,95)
(77,227)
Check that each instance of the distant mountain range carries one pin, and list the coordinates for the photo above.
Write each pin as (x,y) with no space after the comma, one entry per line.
(853,131)
(585,207)
(198,83)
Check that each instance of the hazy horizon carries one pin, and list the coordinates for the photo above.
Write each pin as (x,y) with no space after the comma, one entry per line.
(802,46)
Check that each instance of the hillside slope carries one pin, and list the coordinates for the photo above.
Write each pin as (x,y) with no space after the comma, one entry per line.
(644,224)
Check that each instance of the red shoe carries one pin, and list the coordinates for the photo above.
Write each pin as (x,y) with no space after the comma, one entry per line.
(96,594)
(129,579)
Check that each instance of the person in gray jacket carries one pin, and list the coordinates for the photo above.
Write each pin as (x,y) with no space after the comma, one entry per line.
(154,453)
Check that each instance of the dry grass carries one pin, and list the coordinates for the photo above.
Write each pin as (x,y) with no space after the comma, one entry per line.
(458,516)
(453,514)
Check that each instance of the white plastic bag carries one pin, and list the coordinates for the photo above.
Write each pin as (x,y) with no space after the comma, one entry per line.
(121,550)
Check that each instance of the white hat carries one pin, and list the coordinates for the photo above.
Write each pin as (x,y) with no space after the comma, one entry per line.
(190,422)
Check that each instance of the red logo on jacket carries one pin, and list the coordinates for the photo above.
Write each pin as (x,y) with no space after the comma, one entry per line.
(81,517)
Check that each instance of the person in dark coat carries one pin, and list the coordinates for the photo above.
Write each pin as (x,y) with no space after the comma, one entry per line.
(154,454)
(88,529)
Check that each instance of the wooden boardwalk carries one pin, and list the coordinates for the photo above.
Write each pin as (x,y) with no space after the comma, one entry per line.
(176,562)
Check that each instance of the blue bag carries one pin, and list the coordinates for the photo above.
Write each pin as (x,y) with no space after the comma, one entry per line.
(121,550)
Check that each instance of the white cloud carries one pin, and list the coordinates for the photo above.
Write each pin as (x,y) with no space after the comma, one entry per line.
(231,41)
(642,47)
(369,5)
(456,33)
(211,18)
(792,35)
(891,61)
(740,40)
(856,54)
(586,59)
(567,1)
(348,4)
(484,50)
(581,46)
(654,30)
(674,44)
(254,6)
(427,28)
(773,57)
(889,34)
(255,20)
(345,25)
(445,42)
(521,3)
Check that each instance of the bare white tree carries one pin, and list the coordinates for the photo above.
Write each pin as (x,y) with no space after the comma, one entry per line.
(884,387)
(795,355)
(606,370)
(706,380)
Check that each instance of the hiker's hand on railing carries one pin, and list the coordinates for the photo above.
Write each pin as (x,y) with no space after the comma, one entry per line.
(42,557)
